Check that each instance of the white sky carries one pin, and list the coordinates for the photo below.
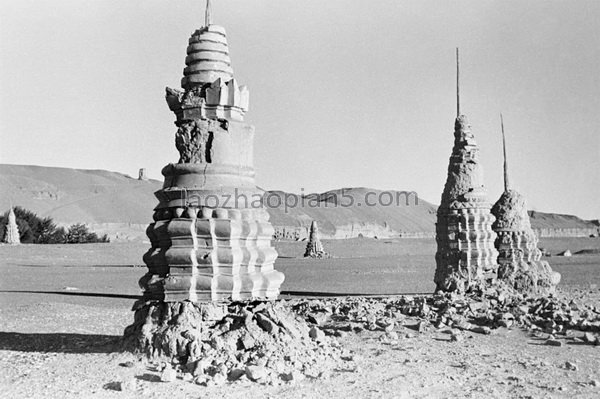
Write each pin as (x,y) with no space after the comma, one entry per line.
(342,93)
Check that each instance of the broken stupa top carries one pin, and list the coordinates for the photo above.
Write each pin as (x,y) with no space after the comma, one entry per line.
(207,58)
(511,212)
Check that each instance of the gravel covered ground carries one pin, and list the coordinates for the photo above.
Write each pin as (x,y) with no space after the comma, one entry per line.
(64,309)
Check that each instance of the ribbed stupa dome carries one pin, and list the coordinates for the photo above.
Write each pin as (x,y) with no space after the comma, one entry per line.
(207,58)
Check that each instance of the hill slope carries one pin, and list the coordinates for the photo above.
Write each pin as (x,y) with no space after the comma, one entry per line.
(115,203)
(75,195)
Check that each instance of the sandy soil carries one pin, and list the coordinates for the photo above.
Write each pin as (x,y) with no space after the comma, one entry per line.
(59,331)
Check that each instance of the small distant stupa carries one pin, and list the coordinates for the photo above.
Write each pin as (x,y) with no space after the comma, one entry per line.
(314,248)
(465,257)
(519,257)
(12,230)
(142,174)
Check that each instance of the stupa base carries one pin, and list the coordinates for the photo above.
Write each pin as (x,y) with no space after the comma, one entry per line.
(534,278)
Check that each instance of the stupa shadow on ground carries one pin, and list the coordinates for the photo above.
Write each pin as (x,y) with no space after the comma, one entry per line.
(59,342)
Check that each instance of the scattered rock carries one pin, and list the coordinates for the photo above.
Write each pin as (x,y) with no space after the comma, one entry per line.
(235,374)
(247,341)
(571,366)
(590,338)
(554,342)
(266,324)
(292,377)
(218,379)
(256,373)
(317,334)
(317,318)
(482,330)
(456,337)
(129,385)
(168,374)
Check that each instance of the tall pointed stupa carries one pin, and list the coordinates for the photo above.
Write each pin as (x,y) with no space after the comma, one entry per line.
(211,239)
(314,248)
(465,257)
(519,258)
(11,235)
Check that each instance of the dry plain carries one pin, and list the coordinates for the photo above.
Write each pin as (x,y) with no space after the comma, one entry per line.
(64,308)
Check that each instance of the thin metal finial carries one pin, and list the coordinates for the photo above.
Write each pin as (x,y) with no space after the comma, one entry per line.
(504,152)
(207,14)
(457,85)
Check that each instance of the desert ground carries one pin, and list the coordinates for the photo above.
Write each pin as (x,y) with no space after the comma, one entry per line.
(64,309)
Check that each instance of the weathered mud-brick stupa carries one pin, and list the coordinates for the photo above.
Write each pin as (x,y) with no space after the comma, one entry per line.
(211,238)
(465,257)
(210,241)
(314,248)
(519,258)
(11,235)
(209,304)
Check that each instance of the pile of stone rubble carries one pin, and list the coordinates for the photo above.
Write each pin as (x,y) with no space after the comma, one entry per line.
(478,312)
(210,343)
(290,340)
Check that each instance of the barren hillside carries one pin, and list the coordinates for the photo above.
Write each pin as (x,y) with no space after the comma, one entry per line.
(117,204)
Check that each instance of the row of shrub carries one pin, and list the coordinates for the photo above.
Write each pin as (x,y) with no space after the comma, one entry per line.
(37,230)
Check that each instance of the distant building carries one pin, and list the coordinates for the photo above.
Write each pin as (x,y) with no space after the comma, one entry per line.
(142,175)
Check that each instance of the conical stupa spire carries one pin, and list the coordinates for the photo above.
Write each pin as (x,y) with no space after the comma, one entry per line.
(457,85)
(207,14)
(465,257)
(209,89)
(314,248)
(506,186)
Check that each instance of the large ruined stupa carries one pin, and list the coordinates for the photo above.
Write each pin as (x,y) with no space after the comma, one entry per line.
(465,257)
(211,239)
(11,235)
(208,307)
(519,258)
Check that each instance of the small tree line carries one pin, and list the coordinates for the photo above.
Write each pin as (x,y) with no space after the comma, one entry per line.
(37,230)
